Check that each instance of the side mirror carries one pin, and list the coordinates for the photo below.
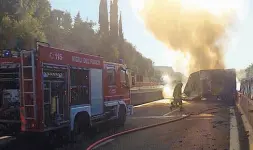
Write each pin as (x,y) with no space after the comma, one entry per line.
(127,80)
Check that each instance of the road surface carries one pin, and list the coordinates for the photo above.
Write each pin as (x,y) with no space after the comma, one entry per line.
(209,130)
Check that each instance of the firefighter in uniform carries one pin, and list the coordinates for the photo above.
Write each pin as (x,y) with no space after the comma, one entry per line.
(177,96)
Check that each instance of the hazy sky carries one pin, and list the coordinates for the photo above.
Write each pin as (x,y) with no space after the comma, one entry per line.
(238,49)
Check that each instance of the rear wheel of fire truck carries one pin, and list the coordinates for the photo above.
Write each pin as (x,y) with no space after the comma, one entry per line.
(121,116)
(80,127)
(75,134)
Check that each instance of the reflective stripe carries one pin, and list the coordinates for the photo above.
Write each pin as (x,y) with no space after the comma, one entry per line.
(22,118)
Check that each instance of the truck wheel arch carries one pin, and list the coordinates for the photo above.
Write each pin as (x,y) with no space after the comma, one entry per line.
(82,116)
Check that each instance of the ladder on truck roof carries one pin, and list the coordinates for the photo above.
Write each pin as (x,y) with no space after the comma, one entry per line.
(28,95)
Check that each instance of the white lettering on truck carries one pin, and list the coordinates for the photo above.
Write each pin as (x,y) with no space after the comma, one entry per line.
(85,60)
(55,56)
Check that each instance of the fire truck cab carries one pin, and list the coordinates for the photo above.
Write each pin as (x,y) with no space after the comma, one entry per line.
(48,88)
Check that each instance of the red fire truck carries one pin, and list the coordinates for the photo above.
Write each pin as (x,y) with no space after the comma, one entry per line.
(48,89)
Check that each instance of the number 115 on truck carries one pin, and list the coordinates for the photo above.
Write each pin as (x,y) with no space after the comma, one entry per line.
(48,89)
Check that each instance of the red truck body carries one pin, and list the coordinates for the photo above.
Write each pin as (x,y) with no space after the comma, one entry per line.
(114,90)
(83,87)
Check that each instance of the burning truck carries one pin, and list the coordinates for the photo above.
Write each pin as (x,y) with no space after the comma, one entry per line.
(215,84)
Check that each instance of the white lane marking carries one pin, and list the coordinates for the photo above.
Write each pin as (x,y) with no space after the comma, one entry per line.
(198,118)
(153,117)
(170,112)
(234,134)
(103,143)
(161,101)
(172,116)
(158,117)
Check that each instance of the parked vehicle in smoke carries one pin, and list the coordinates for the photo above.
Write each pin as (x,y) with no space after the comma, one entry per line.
(212,84)
(48,89)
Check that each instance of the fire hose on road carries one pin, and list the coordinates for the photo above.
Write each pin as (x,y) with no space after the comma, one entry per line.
(92,146)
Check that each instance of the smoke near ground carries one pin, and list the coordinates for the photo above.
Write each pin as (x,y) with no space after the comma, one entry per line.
(198,33)
(170,81)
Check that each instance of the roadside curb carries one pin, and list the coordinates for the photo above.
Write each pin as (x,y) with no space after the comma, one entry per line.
(247,127)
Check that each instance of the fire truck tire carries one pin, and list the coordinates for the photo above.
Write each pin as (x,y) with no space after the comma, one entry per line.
(76,132)
(122,116)
(81,125)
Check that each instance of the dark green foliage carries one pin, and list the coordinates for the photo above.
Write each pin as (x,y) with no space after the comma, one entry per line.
(24,21)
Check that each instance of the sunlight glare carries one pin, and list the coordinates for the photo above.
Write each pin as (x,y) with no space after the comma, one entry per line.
(137,5)
(181,62)
(178,60)
(216,7)
(167,91)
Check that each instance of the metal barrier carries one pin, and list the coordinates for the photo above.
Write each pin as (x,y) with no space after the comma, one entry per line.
(147,87)
(142,84)
(146,97)
(246,105)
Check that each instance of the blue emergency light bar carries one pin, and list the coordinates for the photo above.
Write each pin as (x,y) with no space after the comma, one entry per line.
(6,53)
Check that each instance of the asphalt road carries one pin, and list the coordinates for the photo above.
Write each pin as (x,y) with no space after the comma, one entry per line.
(209,130)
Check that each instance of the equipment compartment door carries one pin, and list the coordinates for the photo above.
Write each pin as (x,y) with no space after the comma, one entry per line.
(97,102)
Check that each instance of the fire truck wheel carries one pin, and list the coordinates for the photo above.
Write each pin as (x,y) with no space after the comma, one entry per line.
(122,116)
(75,134)
(81,127)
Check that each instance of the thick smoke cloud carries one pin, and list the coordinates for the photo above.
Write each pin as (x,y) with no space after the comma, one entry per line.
(197,32)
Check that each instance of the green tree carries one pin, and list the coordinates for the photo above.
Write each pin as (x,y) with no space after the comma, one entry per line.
(78,20)
(42,10)
(103,18)
(114,21)
(29,20)
(29,29)
(83,37)
(121,36)
(249,71)
(7,33)
(53,28)
(66,22)
(22,20)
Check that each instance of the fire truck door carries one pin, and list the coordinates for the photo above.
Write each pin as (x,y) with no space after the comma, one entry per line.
(97,103)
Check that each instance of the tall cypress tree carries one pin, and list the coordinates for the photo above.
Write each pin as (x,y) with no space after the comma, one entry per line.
(121,36)
(121,40)
(114,32)
(103,17)
(111,17)
(116,17)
